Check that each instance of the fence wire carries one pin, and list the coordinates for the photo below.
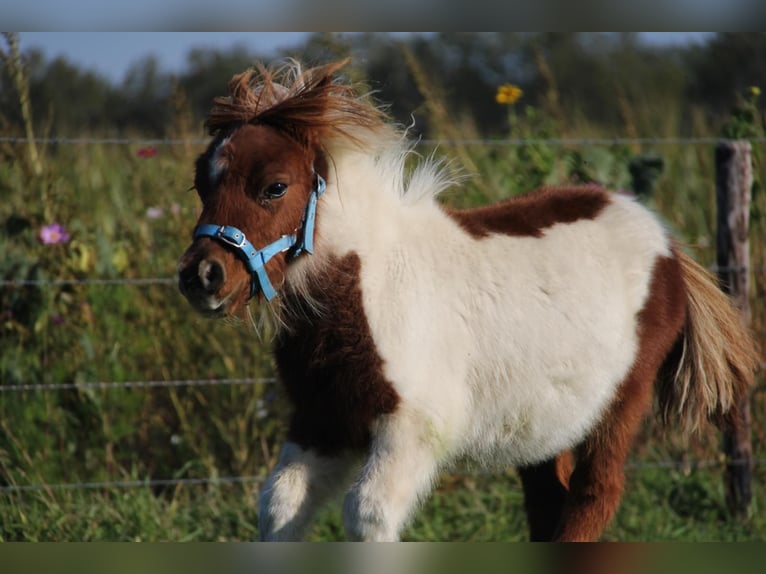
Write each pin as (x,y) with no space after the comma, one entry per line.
(126,484)
(96,281)
(173,281)
(685,466)
(35,387)
(555,142)
(114,385)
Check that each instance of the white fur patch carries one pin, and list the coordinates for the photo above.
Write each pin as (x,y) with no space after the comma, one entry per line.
(504,350)
(509,348)
(301,482)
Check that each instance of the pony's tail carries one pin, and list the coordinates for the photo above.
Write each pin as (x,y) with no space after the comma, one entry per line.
(713,364)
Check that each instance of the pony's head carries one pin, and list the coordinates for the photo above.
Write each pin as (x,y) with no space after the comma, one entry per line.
(260,178)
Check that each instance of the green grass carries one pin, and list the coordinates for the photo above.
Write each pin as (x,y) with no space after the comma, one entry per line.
(659,505)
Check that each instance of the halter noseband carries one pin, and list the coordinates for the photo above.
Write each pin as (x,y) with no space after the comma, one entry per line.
(255,260)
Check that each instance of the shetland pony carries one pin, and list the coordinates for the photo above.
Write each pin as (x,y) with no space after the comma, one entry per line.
(531,333)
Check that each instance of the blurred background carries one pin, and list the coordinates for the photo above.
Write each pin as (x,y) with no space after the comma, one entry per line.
(123,416)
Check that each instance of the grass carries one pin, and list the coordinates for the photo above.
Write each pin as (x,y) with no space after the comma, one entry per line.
(659,505)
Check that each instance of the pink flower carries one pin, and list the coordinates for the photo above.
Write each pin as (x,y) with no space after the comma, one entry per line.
(154,212)
(147,152)
(53,234)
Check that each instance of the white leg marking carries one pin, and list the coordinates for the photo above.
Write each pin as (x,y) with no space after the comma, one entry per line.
(399,470)
(300,483)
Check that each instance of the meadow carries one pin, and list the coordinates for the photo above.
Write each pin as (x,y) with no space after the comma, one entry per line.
(165,459)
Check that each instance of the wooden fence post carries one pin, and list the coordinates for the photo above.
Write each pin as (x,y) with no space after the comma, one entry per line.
(734,180)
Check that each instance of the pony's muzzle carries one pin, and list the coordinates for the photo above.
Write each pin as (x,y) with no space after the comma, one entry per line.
(199,279)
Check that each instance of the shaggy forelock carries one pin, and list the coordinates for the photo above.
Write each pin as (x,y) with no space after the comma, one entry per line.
(308,104)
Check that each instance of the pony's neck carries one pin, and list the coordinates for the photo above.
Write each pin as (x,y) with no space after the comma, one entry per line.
(363,200)
(369,207)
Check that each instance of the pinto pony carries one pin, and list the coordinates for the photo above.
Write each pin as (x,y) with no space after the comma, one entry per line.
(531,333)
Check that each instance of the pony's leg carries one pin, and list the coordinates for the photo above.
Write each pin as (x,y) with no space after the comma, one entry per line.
(596,485)
(299,484)
(595,488)
(400,469)
(545,490)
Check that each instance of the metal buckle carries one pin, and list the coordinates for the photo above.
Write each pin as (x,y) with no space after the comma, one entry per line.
(229,236)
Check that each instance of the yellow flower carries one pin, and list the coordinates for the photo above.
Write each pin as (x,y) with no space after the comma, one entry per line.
(508,94)
(755,91)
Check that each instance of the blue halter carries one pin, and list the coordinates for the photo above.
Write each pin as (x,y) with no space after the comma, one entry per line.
(255,260)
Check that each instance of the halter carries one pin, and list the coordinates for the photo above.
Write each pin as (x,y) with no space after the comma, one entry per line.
(255,260)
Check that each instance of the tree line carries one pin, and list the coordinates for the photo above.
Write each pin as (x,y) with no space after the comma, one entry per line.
(612,81)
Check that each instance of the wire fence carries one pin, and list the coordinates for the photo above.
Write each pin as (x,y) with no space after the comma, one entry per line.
(555,142)
(127,484)
(637,466)
(95,281)
(172,281)
(683,465)
(34,387)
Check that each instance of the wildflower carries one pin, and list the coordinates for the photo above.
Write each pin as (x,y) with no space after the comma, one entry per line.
(57,319)
(755,91)
(147,152)
(508,94)
(154,212)
(53,234)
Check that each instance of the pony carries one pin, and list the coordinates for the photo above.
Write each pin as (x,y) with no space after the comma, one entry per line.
(411,337)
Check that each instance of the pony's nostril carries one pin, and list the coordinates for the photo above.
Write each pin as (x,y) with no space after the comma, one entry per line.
(211,275)
(187,278)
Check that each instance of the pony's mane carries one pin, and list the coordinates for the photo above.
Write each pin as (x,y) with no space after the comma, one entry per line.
(314,107)
(310,105)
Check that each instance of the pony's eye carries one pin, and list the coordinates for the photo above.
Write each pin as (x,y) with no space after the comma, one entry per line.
(276,190)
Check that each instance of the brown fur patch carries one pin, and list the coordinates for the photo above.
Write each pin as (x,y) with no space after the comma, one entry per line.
(330,366)
(597,482)
(531,214)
